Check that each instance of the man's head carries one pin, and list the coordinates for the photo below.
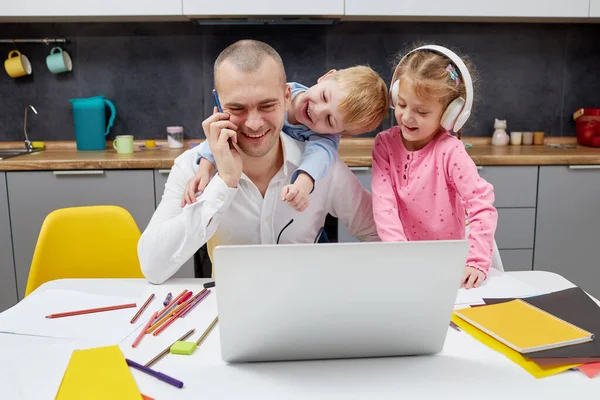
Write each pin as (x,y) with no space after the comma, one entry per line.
(350,101)
(250,79)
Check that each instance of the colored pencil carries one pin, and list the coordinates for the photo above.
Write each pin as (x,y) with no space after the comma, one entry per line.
(163,353)
(192,305)
(195,298)
(91,310)
(169,322)
(173,301)
(144,397)
(207,331)
(143,331)
(165,318)
(158,375)
(142,308)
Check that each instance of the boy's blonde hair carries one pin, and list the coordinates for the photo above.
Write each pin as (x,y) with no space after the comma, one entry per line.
(366,104)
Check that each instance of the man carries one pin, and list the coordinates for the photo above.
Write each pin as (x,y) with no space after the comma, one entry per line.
(254,159)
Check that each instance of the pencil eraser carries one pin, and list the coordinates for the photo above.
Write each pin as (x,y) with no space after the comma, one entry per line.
(185,348)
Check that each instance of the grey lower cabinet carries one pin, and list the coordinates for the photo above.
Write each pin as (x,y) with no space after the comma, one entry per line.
(34,194)
(364,176)
(567,239)
(8,284)
(160,179)
(515,198)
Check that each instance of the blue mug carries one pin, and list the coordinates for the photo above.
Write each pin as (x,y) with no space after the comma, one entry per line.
(59,61)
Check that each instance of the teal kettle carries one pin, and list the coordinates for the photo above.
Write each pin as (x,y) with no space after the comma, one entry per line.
(89,117)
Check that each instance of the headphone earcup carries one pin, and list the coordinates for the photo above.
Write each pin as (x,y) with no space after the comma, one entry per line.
(451,113)
(394,93)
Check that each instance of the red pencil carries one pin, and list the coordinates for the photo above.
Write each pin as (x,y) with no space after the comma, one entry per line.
(169,322)
(142,308)
(143,332)
(91,310)
(173,301)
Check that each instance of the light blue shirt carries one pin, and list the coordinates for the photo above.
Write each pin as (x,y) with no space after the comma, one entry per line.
(319,151)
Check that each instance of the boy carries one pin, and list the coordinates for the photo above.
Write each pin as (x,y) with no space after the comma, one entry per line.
(348,102)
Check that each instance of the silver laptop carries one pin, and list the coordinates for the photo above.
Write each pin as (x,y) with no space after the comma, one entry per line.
(339,300)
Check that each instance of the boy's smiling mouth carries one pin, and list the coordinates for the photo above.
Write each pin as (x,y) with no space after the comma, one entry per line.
(307,112)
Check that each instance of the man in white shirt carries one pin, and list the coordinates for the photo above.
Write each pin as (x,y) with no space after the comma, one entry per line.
(242,204)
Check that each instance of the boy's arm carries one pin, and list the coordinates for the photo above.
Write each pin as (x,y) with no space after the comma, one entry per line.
(385,203)
(477,197)
(319,153)
(204,151)
(175,234)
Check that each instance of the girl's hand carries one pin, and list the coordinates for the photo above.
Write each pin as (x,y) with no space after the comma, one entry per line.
(472,278)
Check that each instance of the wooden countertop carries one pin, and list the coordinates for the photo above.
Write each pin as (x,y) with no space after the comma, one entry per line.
(355,152)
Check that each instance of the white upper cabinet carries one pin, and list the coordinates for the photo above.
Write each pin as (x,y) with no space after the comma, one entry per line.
(85,8)
(595,8)
(471,8)
(210,8)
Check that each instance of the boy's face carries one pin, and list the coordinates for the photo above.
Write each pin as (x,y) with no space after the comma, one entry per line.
(418,118)
(319,107)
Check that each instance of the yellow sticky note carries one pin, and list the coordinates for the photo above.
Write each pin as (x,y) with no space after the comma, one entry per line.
(516,357)
(98,374)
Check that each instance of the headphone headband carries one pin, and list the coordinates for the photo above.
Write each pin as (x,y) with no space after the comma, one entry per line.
(464,72)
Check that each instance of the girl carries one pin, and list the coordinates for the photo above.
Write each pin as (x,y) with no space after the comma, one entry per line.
(424,182)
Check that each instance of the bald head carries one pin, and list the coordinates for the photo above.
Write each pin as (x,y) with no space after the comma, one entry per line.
(247,56)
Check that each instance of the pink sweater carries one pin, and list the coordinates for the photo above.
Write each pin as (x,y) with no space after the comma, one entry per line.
(424,195)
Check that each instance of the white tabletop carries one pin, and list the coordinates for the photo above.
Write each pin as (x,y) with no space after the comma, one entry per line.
(464,369)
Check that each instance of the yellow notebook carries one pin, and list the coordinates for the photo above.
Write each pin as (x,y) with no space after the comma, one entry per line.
(98,374)
(523,327)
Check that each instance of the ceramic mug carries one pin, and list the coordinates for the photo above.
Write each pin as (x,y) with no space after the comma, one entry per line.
(59,61)
(17,64)
(123,144)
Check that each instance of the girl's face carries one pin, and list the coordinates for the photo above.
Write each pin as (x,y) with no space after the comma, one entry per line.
(418,118)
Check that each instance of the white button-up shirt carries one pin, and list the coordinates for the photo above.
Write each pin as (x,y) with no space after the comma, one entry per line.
(242,215)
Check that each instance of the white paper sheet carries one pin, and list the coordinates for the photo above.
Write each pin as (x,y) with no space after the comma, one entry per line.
(28,317)
(32,367)
(497,285)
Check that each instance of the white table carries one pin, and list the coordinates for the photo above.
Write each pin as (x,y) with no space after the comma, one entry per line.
(465,368)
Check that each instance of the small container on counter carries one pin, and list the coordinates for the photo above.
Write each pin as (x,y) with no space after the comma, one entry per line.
(175,137)
(527,137)
(538,137)
(515,138)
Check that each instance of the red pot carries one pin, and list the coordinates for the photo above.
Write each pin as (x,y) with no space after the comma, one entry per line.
(587,125)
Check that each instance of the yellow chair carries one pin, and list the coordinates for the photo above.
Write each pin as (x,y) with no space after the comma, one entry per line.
(85,242)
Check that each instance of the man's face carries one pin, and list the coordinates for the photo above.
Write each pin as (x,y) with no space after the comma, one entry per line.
(256,102)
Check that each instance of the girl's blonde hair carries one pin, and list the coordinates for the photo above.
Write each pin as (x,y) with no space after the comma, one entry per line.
(427,71)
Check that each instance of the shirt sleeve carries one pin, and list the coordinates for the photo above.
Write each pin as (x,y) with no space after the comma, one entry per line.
(174,234)
(351,203)
(204,151)
(477,198)
(385,201)
(319,153)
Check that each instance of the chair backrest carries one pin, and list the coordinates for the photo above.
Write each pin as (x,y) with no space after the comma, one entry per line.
(85,242)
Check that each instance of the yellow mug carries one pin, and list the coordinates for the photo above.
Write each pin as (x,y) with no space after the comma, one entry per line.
(17,64)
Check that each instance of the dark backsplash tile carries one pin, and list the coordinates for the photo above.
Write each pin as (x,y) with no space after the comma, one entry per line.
(160,74)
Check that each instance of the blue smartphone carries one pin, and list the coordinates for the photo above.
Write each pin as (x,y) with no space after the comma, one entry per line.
(220,109)
(216,100)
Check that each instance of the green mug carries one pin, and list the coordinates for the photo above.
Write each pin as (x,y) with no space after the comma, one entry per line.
(123,144)
(59,61)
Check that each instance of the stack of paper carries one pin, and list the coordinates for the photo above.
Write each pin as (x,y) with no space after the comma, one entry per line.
(29,317)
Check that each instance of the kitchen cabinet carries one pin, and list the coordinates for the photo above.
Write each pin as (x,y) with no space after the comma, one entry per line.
(8,286)
(515,198)
(78,8)
(595,8)
(204,8)
(469,8)
(364,176)
(160,179)
(567,225)
(34,194)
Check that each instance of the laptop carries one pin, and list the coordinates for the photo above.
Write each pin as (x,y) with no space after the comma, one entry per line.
(338,300)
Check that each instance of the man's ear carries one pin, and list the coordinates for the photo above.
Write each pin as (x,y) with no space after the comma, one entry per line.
(329,73)
(288,94)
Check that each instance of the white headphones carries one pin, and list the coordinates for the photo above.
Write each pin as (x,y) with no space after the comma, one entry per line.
(459,109)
